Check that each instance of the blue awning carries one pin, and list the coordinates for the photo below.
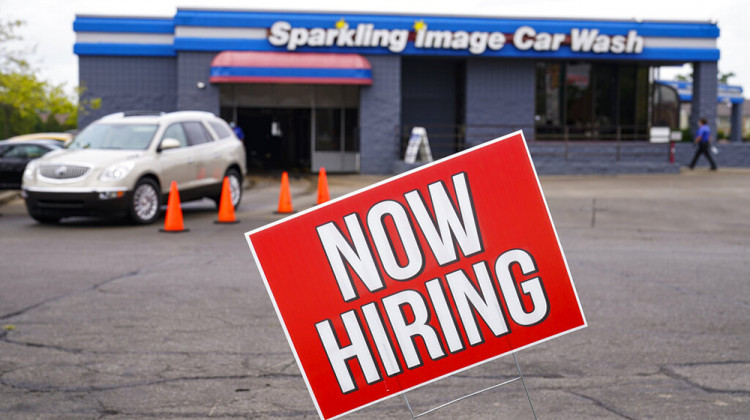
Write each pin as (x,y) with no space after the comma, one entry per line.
(726,93)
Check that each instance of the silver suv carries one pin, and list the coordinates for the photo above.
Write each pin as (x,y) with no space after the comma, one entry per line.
(124,164)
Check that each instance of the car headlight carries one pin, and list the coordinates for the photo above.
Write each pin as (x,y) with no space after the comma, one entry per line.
(28,173)
(116,172)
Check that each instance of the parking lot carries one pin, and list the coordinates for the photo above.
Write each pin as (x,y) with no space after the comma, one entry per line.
(101,319)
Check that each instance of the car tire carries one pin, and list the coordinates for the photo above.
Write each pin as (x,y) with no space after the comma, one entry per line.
(235,187)
(145,203)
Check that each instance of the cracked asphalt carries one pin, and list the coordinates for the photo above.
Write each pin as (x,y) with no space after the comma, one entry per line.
(102,320)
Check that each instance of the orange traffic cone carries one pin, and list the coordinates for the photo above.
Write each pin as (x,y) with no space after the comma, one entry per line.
(173,219)
(323,195)
(226,209)
(285,197)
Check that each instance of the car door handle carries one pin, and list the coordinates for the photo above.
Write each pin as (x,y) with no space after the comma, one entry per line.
(217,155)
(191,160)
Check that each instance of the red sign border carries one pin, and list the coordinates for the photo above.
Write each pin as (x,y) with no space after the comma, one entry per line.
(376,185)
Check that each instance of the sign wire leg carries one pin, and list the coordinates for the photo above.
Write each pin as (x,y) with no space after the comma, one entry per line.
(408,406)
(523,382)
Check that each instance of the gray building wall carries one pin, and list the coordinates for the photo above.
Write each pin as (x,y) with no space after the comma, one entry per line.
(736,121)
(705,92)
(126,84)
(733,155)
(379,116)
(499,98)
(194,68)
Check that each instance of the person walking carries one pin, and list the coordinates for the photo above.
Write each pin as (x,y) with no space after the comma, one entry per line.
(703,140)
(237,131)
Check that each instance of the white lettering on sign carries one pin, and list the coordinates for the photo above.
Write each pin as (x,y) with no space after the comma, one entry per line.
(408,314)
(376,221)
(589,40)
(443,233)
(450,229)
(447,230)
(358,349)
(484,301)
(476,42)
(364,35)
(357,255)
(525,38)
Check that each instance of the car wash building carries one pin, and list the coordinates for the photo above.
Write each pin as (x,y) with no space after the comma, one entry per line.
(343,90)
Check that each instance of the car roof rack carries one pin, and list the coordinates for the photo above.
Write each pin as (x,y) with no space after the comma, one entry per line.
(134,113)
(139,113)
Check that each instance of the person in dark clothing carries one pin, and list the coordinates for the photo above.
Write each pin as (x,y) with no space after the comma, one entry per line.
(703,139)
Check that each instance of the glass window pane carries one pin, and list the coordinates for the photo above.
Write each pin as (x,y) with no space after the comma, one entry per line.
(548,97)
(327,129)
(351,130)
(196,133)
(34,151)
(175,131)
(578,94)
(115,136)
(666,107)
(221,129)
(16,152)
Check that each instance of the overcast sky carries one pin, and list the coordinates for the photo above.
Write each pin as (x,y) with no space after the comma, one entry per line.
(49,23)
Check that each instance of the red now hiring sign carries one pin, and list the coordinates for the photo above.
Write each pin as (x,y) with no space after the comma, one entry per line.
(418,277)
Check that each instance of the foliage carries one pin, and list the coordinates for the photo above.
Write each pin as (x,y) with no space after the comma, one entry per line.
(27,103)
(10,59)
(724,77)
(687,136)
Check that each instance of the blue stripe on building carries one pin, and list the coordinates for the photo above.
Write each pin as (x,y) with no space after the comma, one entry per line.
(648,54)
(103,24)
(149,50)
(265,20)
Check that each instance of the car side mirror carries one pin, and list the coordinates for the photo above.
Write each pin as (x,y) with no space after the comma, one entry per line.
(169,143)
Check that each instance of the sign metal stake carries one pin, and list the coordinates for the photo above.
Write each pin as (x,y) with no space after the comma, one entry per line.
(520,377)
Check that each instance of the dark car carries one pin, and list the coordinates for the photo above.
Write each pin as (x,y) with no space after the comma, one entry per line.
(15,154)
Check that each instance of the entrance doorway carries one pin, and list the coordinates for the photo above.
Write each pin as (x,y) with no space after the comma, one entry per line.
(275,138)
(297,128)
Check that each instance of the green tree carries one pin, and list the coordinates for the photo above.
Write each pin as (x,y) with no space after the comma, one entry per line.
(27,103)
(724,77)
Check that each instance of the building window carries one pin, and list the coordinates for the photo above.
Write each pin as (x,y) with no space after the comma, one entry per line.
(596,101)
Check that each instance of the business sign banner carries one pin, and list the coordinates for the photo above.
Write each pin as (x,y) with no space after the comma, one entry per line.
(365,35)
(418,277)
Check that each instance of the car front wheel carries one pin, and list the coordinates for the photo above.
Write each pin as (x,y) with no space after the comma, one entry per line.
(235,188)
(145,205)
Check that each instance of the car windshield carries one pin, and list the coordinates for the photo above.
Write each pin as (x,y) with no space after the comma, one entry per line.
(115,136)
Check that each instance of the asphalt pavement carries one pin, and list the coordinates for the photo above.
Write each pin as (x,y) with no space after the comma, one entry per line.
(100,319)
